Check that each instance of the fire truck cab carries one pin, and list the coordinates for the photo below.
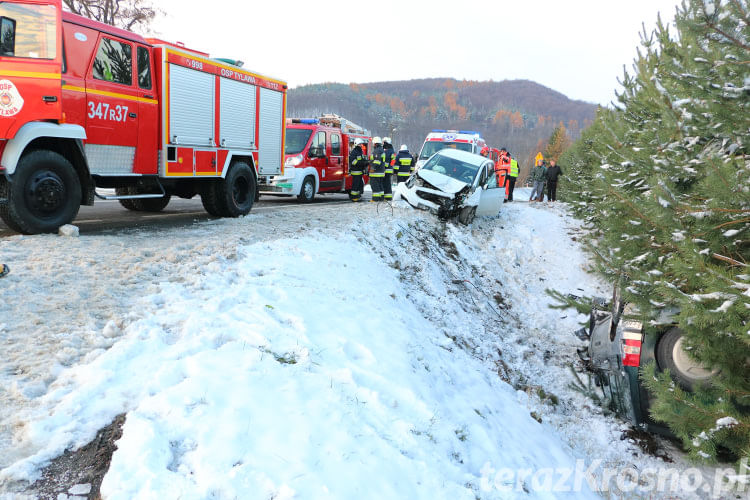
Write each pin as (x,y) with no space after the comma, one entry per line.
(85,105)
(465,140)
(317,157)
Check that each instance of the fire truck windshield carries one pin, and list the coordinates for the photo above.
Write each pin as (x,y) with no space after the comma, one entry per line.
(432,147)
(296,140)
(28,30)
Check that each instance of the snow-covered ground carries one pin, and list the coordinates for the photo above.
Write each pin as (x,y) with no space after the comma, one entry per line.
(342,352)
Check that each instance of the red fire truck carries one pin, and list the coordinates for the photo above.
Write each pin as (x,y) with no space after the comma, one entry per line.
(317,157)
(84,105)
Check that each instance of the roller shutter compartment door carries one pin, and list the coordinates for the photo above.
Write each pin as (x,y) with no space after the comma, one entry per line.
(237,124)
(271,128)
(191,107)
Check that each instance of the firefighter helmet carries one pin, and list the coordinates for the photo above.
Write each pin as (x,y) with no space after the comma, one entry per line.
(377,140)
(485,152)
(386,140)
(358,141)
(403,148)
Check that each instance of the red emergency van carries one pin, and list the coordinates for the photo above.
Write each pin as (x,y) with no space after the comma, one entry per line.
(317,157)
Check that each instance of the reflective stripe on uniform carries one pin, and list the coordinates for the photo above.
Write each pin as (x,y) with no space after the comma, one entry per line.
(356,173)
(404,174)
(376,174)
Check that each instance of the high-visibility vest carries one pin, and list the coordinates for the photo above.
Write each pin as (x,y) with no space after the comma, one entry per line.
(513,168)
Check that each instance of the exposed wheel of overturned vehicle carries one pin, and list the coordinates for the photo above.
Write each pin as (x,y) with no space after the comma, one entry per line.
(671,355)
(467,214)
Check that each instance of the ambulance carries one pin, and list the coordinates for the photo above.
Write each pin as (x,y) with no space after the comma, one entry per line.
(464,140)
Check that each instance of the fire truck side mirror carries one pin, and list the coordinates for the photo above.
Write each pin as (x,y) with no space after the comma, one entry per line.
(7,36)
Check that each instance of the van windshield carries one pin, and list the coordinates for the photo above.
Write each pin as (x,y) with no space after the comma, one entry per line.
(34,28)
(296,140)
(432,147)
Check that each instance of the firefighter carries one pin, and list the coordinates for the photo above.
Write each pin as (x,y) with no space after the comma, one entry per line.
(357,166)
(403,163)
(502,168)
(485,152)
(388,155)
(377,169)
(512,175)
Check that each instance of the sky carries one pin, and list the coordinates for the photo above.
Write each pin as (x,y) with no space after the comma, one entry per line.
(577,47)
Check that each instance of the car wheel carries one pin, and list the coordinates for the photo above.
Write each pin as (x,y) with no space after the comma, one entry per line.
(210,197)
(307,193)
(126,191)
(45,193)
(466,216)
(686,371)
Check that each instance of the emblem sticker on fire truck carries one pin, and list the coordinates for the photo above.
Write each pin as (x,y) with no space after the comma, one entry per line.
(11,101)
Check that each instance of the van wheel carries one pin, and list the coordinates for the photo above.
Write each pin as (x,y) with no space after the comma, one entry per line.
(45,193)
(126,191)
(686,371)
(307,193)
(466,216)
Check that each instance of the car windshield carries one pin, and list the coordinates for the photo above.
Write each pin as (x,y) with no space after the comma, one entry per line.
(296,140)
(432,147)
(457,169)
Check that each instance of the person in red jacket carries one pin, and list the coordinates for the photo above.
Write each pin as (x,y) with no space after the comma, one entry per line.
(502,168)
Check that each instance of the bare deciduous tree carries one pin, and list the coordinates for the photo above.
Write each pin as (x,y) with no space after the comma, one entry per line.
(131,15)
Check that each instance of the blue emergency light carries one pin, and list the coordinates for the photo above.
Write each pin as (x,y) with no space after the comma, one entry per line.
(468,132)
(309,121)
(438,130)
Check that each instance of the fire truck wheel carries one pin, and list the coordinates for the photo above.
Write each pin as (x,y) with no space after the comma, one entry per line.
(307,193)
(152,204)
(125,191)
(671,355)
(210,197)
(237,191)
(45,193)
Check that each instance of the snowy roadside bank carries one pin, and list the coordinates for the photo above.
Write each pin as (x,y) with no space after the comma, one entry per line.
(313,359)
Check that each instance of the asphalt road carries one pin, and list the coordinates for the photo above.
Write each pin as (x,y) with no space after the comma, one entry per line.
(109,215)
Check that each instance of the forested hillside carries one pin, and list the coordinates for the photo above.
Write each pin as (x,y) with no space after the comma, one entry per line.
(518,114)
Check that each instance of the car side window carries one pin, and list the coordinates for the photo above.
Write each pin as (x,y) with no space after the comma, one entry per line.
(114,62)
(335,145)
(318,146)
(492,182)
(144,69)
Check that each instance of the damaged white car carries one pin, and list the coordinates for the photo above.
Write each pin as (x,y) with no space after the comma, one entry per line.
(454,184)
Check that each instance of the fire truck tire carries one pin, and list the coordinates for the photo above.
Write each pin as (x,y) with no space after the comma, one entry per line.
(210,197)
(236,192)
(670,355)
(152,204)
(125,191)
(45,193)
(307,193)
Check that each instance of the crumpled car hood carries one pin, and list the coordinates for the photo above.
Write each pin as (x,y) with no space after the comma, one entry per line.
(442,182)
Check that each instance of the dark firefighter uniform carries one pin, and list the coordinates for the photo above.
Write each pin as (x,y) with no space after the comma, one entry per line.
(377,172)
(388,154)
(403,162)
(357,166)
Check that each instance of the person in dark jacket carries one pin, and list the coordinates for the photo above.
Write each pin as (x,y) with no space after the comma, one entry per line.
(553,172)
(357,166)
(538,176)
(388,154)
(403,163)
(377,170)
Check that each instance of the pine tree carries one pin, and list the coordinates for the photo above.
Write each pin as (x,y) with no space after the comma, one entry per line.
(664,180)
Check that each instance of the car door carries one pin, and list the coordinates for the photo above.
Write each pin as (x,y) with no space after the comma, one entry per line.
(112,105)
(492,195)
(335,167)
(317,155)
